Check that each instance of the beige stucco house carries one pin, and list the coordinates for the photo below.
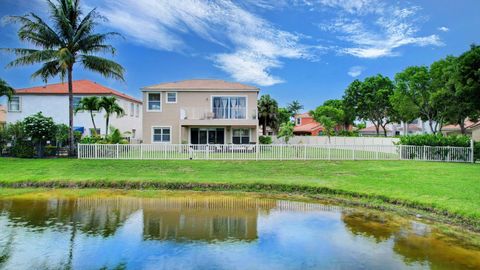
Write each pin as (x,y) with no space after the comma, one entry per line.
(3,116)
(200,111)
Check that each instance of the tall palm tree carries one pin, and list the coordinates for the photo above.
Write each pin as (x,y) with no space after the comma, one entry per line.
(294,107)
(267,112)
(110,105)
(71,39)
(90,104)
(6,90)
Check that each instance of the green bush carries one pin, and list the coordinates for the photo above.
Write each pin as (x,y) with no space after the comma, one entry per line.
(265,140)
(50,151)
(435,140)
(23,149)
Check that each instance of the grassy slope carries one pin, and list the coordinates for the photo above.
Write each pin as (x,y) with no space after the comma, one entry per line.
(444,186)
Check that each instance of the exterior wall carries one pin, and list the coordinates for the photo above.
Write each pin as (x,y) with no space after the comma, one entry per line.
(304,121)
(188,111)
(3,115)
(476,133)
(56,106)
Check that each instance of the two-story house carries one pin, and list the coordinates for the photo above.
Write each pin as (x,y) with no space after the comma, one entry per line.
(52,101)
(306,125)
(200,112)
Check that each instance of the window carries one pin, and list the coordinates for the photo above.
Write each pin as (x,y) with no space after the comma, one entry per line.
(137,112)
(172,97)
(299,121)
(161,134)
(132,109)
(241,136)
(207,136)
(134,132)
(14,104)
(154,102)
(94,132)
(229,107)
(76,102)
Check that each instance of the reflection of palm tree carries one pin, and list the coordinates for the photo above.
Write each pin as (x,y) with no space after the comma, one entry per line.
(369,224)
(71,245)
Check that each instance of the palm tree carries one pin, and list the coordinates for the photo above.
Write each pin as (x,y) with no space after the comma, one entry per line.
(267,112)
(89,104)
(294,107)
(110,105)
(71,39)
(6,90)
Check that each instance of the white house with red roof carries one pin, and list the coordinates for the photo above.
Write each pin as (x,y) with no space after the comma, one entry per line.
(52,101)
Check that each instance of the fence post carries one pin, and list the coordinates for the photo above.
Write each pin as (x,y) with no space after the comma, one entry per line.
(96,151)
(78,151)
(256,151)
(424,152)
(329,152)
(141,151)
(118,152)
(472,149)
(353,152)
(448,153)
(305,152)
(401,151)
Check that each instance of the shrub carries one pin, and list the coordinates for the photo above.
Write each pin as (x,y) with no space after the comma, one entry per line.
(435,140)
(265,140)
(23,149)
(50,150)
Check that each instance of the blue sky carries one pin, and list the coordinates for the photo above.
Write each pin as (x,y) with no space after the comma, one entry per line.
(309,50)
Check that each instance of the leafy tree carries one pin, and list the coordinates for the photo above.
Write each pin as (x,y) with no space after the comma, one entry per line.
(40,128)
(370,100)
(348,113)
(286,131)
(70,40)
(267,112)
(416,84)
(328,117)
(294,107)
(111,107)
(61,134)
(403,109)
(6,90)
(90,104)
(284,116)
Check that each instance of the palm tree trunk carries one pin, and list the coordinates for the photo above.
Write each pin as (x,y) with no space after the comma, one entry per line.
(93,121)
(70,113)
(106,124)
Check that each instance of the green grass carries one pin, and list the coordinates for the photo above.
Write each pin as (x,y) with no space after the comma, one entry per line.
(443,187)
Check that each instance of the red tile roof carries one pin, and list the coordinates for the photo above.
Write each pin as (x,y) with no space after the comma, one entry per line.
(307,127)
(80,87)
(201,84)
(302,115)
(468,124)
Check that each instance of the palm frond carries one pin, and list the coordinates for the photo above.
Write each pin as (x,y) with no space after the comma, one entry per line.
(96,43)
(6,90)
(50,70)
(33,29)
(107,68)
(34,57)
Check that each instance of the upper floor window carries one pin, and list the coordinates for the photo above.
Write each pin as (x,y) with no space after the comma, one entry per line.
(299,121)
(14,104)
(172,97)
(154,102)
(137,112)
(132,109)
(76,102)
(229,107)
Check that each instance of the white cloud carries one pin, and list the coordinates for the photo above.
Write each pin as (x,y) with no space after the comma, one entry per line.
(253,45)
(443,29)
(391,28)
(356,71)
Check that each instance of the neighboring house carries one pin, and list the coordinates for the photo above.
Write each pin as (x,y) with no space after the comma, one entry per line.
(200,112)
(52,100)
(306,125)
(398,129)
(3,116)
(372,131)
(472,129)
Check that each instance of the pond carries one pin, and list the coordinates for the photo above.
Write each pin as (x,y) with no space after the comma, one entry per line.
(217,231)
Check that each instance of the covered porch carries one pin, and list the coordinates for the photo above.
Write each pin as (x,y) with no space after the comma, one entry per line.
(219,134)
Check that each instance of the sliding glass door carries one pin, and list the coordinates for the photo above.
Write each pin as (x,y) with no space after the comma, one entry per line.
(207,135)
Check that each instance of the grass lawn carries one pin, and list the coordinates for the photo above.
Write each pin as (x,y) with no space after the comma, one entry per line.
(450,187)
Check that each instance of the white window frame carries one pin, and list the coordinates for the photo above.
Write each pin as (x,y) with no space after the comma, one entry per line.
(249,134)
(171,102)
(148,102)
(19,104)
(247,116)
(162,127)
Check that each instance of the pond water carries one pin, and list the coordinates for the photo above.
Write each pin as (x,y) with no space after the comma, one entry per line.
(216,231)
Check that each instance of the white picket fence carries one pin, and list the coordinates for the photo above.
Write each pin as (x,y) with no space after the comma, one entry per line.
(337,140)
(274,152)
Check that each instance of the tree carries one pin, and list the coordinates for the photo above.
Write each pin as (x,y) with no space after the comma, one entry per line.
(328,117)
(286,131)
(6,90)
(284,116)
(370,100)
(267,112)
(90,104)
(40,128)
(416,84)
(403,109)
(110,105)
(71,39)
(294,108)
(348,113)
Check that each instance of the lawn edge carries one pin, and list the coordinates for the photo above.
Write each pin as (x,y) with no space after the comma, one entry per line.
(373,201)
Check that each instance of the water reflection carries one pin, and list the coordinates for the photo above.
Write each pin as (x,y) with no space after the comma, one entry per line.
(216,232)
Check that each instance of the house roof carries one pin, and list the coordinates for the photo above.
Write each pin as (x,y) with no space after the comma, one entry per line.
(80,87)
(303,115)
(201,84)
(468,124)
(307,127)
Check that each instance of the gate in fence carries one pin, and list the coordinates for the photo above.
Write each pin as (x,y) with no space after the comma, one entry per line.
(274,152)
